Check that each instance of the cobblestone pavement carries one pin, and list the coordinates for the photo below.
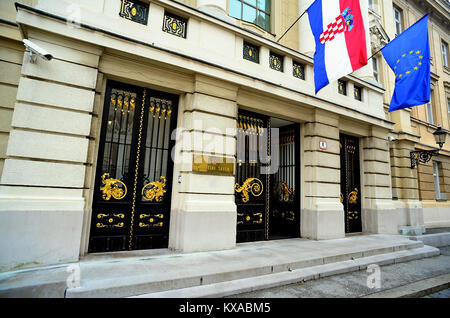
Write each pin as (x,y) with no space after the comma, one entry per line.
(442,294)
(352,285)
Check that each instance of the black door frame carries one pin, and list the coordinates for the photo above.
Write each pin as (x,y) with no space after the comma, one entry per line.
(351,193)
(251,195)
(251,226)
(285,204)
(128,216)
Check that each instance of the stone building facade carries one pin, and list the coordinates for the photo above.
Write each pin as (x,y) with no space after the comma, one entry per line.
(213,70)
(414,127)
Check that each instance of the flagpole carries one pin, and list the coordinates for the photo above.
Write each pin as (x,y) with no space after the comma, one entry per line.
(375,53)
(292,25)
(302,16)
(390,42)
(378,51)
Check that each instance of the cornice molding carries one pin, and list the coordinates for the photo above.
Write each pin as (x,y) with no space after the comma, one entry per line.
(438,11)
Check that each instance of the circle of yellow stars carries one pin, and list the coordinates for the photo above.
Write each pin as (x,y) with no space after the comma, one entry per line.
(415,68)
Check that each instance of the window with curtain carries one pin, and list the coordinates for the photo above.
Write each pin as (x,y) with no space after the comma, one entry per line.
(253,11)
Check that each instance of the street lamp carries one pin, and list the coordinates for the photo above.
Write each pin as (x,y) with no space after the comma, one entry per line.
(440,135)
(425,156)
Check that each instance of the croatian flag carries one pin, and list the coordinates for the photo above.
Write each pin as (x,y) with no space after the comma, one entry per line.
(339,31)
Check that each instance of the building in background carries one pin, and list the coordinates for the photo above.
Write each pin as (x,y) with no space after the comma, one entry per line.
(414,127)
(88,158)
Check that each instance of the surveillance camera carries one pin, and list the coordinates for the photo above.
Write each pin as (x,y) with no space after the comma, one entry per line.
(36,50)
(392,139)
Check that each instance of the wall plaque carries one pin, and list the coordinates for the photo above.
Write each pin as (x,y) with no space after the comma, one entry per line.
(213,165)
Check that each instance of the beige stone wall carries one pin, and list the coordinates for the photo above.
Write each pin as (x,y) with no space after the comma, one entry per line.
(49,171)
(376,168)
(436,212)
(8,10)
(427,183)
(322,213)
(427,189)
(284,14)
(192,3)
(405,184)
(46,158)
(203,215)
(11,55)
(412,184)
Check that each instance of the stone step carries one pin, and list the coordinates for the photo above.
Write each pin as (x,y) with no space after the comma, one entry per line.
(250,262)
(436,240)
(250,284)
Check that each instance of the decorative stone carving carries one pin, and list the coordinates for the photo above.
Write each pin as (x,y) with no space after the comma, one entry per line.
(378,36)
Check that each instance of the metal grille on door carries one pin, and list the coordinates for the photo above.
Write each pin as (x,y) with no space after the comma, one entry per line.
(251,184)
(285,205)
(350,183)
(131,204)
(268,205)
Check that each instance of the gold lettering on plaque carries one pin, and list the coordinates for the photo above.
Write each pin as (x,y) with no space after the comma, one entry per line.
(213,165)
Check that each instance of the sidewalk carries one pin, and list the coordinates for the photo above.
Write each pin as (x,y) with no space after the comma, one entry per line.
(250,266)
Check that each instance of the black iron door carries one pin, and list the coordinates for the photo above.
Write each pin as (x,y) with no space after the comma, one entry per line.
(285,184)
(252,181)
(132,195)
(351,183)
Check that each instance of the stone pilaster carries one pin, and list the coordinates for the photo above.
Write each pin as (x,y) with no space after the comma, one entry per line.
(322,216)
(41,191)
(405,182)
(378,213)
(203,216)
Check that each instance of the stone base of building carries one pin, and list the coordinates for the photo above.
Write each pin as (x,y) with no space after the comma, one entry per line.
(389,218)
(322,225)
(202,231)
(380,221)
(436,217)
(33,238)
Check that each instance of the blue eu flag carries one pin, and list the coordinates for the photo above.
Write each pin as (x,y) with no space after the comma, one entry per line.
(408,55)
